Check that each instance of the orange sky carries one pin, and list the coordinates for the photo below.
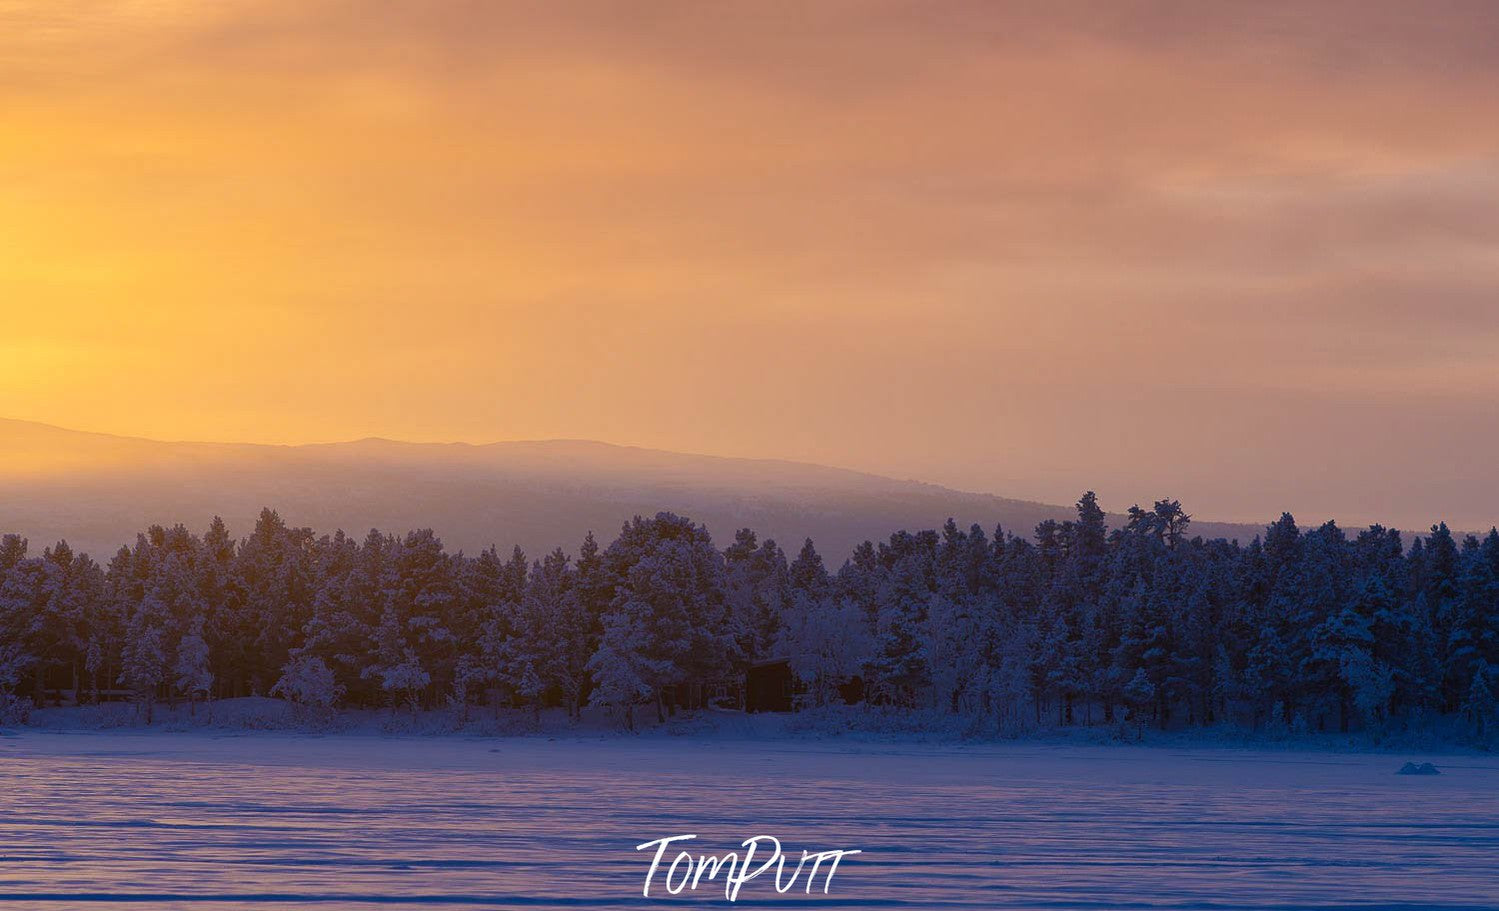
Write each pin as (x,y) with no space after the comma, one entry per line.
(1248,259)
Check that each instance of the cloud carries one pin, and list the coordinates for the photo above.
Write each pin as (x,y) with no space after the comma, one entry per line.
(995,244)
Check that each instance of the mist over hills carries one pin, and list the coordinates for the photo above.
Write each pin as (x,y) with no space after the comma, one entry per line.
(97,491)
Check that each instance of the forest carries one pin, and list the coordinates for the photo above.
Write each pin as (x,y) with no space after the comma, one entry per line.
(1298,630)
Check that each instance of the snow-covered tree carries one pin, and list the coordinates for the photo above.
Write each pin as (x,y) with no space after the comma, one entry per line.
(307,680)
(1289,629)
(619,668)
(826,641)
(668,622)
(192,676)
(902,665)
(145,658)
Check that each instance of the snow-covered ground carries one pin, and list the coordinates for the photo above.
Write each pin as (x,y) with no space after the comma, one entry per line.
(216,819)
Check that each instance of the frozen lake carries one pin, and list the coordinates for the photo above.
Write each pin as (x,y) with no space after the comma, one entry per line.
(267,820)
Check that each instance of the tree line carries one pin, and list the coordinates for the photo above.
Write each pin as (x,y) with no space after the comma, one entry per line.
(1076,623)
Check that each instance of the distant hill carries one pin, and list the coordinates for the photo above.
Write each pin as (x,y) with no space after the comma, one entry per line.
(97,491)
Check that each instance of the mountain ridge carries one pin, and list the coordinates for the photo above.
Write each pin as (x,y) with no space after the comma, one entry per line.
(97,490)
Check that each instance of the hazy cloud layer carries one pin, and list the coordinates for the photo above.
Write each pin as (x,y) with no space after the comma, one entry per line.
(1247,255)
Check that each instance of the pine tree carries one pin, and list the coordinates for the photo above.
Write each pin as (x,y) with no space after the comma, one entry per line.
(146,654)
(274,570)
(18,615)
(191,673)
(350,595)
(901,664)
(595,592)
(425,598)
(668,623)
(220,595)
(1293,627)
(1481,704)
(481,651)
(807,573)
(548,651)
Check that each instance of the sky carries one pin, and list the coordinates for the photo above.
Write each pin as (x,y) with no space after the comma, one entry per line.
(1244,255)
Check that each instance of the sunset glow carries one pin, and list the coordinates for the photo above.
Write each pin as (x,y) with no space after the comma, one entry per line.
(1243,258)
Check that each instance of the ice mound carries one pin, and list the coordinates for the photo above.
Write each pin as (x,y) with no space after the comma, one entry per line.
(1425,768)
